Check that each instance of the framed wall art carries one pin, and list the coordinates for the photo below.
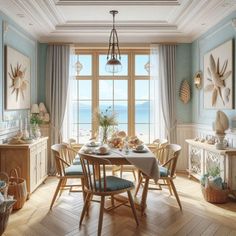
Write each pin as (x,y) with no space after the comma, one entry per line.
(218,77)
(17,80)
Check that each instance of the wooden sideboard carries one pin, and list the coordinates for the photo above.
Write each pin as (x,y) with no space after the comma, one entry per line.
(31,158)
(203,156)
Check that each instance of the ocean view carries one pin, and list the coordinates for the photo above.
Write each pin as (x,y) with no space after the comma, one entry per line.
(82,131)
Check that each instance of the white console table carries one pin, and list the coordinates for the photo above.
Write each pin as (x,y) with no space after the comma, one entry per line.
(203,156)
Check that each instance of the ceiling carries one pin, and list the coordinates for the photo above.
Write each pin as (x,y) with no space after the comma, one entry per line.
(137,22)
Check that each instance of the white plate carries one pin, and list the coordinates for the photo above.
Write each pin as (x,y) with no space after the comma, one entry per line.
(93,145)
(140,151)
(101,154)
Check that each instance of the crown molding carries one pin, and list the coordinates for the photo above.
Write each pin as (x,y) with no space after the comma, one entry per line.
(104,28)
(117,2)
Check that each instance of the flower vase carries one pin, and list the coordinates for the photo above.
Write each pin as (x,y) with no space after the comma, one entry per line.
(104,134)
(220,145)
(35,131)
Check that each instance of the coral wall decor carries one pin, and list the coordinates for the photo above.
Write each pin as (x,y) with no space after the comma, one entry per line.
(218,77)
(17,83)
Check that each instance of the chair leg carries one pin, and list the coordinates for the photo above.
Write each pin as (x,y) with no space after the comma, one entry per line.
(132,206)
(101,215)
(63,185)
(121,171)
(82,186)
(175,193)
(86,203)
(90,199)
(138,186)
(169,186)
(134,174)
(56,192)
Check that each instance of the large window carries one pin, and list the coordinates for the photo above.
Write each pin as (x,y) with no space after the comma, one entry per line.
(127,93)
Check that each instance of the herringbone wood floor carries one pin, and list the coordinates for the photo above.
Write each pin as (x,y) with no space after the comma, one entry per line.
(163,216)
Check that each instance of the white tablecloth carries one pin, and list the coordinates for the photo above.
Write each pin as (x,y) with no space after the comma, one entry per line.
(146,162)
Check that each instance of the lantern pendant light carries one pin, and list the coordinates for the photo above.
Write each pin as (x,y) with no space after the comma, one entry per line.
(113,64)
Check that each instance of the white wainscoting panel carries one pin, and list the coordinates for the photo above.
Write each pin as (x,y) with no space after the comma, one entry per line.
(184,131)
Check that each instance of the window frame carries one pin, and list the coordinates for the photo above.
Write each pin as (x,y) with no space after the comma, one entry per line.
(131,78)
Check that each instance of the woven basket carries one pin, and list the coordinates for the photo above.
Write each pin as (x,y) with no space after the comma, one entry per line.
(214,195)
(4,177)
(17,188)
(4,216)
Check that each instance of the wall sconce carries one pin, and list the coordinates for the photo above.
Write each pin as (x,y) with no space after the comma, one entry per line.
(198,80)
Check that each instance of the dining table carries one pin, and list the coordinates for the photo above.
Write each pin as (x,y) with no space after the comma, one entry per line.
(144,161)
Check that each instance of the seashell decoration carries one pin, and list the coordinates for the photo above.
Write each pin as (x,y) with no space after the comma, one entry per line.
(185,92)
(225,94)
(221,123)
(217,76)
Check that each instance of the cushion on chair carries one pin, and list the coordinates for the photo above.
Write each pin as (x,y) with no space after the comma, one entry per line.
(164,172)
(114,183)
(76,161)
(74,170)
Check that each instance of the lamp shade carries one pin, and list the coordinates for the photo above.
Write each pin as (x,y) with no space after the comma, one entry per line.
(35,109)
(42,107)
(113,66)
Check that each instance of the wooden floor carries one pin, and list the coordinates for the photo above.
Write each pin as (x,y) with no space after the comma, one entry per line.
(163,216)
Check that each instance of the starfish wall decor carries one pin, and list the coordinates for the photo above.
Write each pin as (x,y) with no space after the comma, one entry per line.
(19,83)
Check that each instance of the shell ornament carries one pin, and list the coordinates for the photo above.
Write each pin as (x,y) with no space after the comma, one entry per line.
(185,92)
(217,77)
(221,123)
(19,84)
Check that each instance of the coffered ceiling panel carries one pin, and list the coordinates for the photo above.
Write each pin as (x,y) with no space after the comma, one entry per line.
(137,22)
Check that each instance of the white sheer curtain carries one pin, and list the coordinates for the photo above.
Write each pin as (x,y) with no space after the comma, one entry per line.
(163,91)
(167,67)
(158,129)
(68,127)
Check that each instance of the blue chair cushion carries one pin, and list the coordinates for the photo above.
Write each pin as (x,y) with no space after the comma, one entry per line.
(74,170)
(76,161)
(164,172)
(114,184)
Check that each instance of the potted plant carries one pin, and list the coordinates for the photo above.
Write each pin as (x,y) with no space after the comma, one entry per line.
(214,189)
(35,121)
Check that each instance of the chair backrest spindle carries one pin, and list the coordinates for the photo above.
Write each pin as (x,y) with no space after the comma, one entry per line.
(95,180)
(171,154)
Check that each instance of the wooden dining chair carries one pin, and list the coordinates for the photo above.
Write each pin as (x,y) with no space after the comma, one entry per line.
(65,170)
(167,170)
(71,154)
(96,182)
(124,168)
(157,147)
(158,150)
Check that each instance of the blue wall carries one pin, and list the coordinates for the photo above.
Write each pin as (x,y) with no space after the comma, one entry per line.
(217,35)
(42,52)
(183,71)
(17,38)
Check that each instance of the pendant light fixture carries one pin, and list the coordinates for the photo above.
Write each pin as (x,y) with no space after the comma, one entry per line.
(113,55)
